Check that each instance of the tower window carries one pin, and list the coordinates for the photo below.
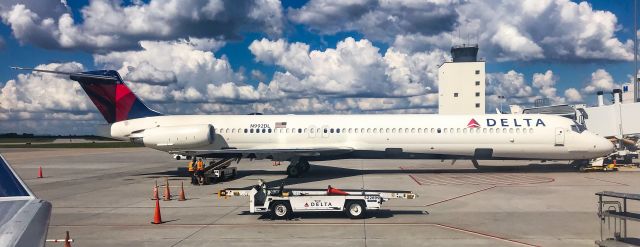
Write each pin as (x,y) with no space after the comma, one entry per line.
(477,83)
(477,105)
(477,72)
(455,94)
(477,94)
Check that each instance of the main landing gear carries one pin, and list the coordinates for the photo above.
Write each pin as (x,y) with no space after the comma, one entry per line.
(297,168)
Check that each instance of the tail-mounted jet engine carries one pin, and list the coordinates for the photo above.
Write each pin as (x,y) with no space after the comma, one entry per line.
(175,137)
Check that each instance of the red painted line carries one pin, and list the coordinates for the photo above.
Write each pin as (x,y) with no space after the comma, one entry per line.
(456,197)
(414,179)
(411,176)
(484,235)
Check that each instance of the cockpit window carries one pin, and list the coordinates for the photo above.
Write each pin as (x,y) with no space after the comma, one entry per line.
(578,128)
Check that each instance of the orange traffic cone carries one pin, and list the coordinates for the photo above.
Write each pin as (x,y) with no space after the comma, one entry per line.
(155,196)
(157,218)
(40,172)
(182,197)
(167,192)
(67,243)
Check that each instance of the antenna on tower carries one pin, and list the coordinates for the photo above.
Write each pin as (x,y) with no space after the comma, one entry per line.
(635,50)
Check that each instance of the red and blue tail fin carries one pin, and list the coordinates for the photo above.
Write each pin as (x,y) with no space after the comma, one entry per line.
(108,92)
(111,96)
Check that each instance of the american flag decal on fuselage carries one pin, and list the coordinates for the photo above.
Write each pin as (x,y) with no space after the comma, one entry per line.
(281,125)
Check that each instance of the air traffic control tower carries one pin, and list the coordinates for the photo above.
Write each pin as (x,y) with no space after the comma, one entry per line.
(461,82)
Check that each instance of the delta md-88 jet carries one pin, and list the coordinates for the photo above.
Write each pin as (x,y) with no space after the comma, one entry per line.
(303,138)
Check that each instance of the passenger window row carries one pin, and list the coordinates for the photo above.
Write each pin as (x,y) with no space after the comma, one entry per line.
(381,130)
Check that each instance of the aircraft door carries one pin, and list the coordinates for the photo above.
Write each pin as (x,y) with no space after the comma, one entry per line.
(559,137)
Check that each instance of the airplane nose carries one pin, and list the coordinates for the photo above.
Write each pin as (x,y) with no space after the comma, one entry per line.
(604,146)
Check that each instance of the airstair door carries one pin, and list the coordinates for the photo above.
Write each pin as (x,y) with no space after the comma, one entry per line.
(559,137)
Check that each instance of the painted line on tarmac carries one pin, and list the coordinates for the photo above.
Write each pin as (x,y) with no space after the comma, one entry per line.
(463,195)
(202,228)
(607,181)
(484,235)
(414,179)
(297,224)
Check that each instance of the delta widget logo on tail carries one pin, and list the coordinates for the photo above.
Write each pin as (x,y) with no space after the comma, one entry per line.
(473,124)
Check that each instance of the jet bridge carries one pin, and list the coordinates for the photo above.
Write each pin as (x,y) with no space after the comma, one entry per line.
(616,121)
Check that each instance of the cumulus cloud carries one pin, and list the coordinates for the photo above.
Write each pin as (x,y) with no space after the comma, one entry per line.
(353,68)
(506,30)
(43,92)
(511,84)
(47,103)
(379,20)
(517,90)
(179,77)
(258,75)
(601,80)
(573,95)
(562,29)
(545,83)
(109,25)
(177,71)
(171,68)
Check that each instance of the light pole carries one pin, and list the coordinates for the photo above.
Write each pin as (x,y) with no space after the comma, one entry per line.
(635,51)
(500,98)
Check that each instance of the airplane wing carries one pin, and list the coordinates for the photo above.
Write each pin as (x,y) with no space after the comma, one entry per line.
(24,219)
(273,152)
(286,153)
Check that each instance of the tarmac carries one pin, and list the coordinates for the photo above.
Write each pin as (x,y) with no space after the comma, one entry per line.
(103,198)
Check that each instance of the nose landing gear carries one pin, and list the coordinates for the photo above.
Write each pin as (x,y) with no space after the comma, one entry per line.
(297,168)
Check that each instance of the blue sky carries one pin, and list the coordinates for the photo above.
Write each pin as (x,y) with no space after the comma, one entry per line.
(224,57)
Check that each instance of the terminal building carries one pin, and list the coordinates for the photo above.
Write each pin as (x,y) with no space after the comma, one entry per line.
(461,82)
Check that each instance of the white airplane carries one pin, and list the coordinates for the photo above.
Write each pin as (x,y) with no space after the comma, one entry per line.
(303,138)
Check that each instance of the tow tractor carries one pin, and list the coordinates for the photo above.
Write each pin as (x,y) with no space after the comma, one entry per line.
(281,203)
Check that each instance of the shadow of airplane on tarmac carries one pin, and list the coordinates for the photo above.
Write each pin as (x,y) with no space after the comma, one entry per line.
(323,172)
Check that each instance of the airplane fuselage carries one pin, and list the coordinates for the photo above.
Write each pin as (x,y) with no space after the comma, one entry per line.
(500,136)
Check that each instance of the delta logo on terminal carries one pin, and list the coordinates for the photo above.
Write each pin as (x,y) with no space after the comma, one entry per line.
(505,122)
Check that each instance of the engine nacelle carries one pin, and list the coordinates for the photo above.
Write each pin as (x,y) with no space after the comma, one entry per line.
(176,137)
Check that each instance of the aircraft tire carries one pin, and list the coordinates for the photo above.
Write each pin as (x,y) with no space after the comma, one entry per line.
(305,166)
(294,171)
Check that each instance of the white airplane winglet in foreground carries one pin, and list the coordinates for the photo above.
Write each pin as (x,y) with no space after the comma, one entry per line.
(303,138)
